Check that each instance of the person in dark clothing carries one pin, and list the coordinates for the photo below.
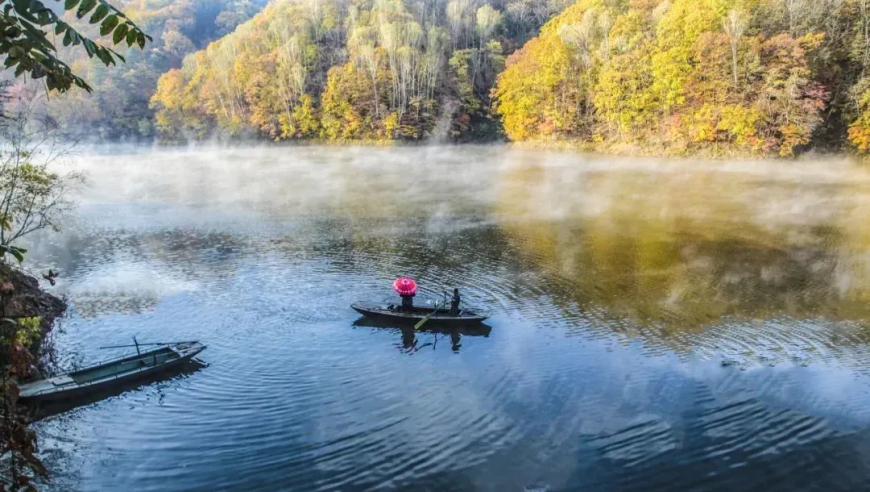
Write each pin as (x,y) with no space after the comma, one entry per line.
(454,303)
(408,303)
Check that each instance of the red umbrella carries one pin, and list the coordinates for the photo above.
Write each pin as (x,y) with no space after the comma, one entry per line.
(405,286)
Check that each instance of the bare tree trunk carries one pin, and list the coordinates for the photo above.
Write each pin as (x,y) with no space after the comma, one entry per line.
(735,25)
(734,61)
(375,91)
(865,27)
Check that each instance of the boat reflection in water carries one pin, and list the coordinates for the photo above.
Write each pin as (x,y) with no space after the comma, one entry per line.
(411,343)
(41,410)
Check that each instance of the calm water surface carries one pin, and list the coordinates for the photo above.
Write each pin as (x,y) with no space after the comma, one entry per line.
(657,325)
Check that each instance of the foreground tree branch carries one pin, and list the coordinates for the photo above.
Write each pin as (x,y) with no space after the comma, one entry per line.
(25,43)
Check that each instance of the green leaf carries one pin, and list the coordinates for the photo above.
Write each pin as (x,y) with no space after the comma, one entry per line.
(70,4)
(38,7)
(105,56)
(131,37)
(60,27)
(141,40)
(18,253)
(109,24)
(81,83)
(35,35)
(120,32)
(22,8)
(46,17)
(85,7)
(99,14)
(67,38)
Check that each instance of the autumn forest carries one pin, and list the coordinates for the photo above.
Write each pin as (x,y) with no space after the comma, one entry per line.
(672,77)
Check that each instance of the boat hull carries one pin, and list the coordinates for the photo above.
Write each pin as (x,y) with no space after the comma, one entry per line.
(49,392)
(401,317)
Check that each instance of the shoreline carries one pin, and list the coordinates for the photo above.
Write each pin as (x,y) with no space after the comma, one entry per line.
(29,299)
(566,145)
(631,150)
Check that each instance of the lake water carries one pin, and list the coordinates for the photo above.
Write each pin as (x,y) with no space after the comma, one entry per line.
(657,325)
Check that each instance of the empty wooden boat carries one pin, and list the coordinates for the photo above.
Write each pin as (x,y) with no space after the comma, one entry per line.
(110,374)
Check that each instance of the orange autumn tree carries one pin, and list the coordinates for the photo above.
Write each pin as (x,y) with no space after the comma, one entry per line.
(859,130)
(542,91)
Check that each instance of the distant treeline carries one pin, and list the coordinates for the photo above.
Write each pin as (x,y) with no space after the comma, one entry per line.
(766,77)
(763,77)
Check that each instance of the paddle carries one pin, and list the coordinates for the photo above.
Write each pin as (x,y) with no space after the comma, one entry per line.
(138,344)
(424,320)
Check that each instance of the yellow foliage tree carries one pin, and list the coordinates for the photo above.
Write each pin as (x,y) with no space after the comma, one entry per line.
(678,76)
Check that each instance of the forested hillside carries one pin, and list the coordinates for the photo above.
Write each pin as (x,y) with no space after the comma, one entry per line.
(119,106)
(679,77)
(688,76)
(765,77)
(372,70)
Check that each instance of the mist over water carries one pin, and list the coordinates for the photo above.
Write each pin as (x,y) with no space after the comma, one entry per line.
(658,325)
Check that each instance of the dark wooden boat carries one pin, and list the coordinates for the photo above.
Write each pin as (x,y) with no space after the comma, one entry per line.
(110,374)
(440,316)
(38,410)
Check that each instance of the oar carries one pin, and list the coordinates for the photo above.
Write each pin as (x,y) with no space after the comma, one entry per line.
(424,320)
(139,344)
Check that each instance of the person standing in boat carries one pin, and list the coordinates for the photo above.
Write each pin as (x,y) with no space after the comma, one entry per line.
(454,303)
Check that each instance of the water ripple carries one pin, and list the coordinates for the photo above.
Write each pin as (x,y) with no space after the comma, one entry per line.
(645,335)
